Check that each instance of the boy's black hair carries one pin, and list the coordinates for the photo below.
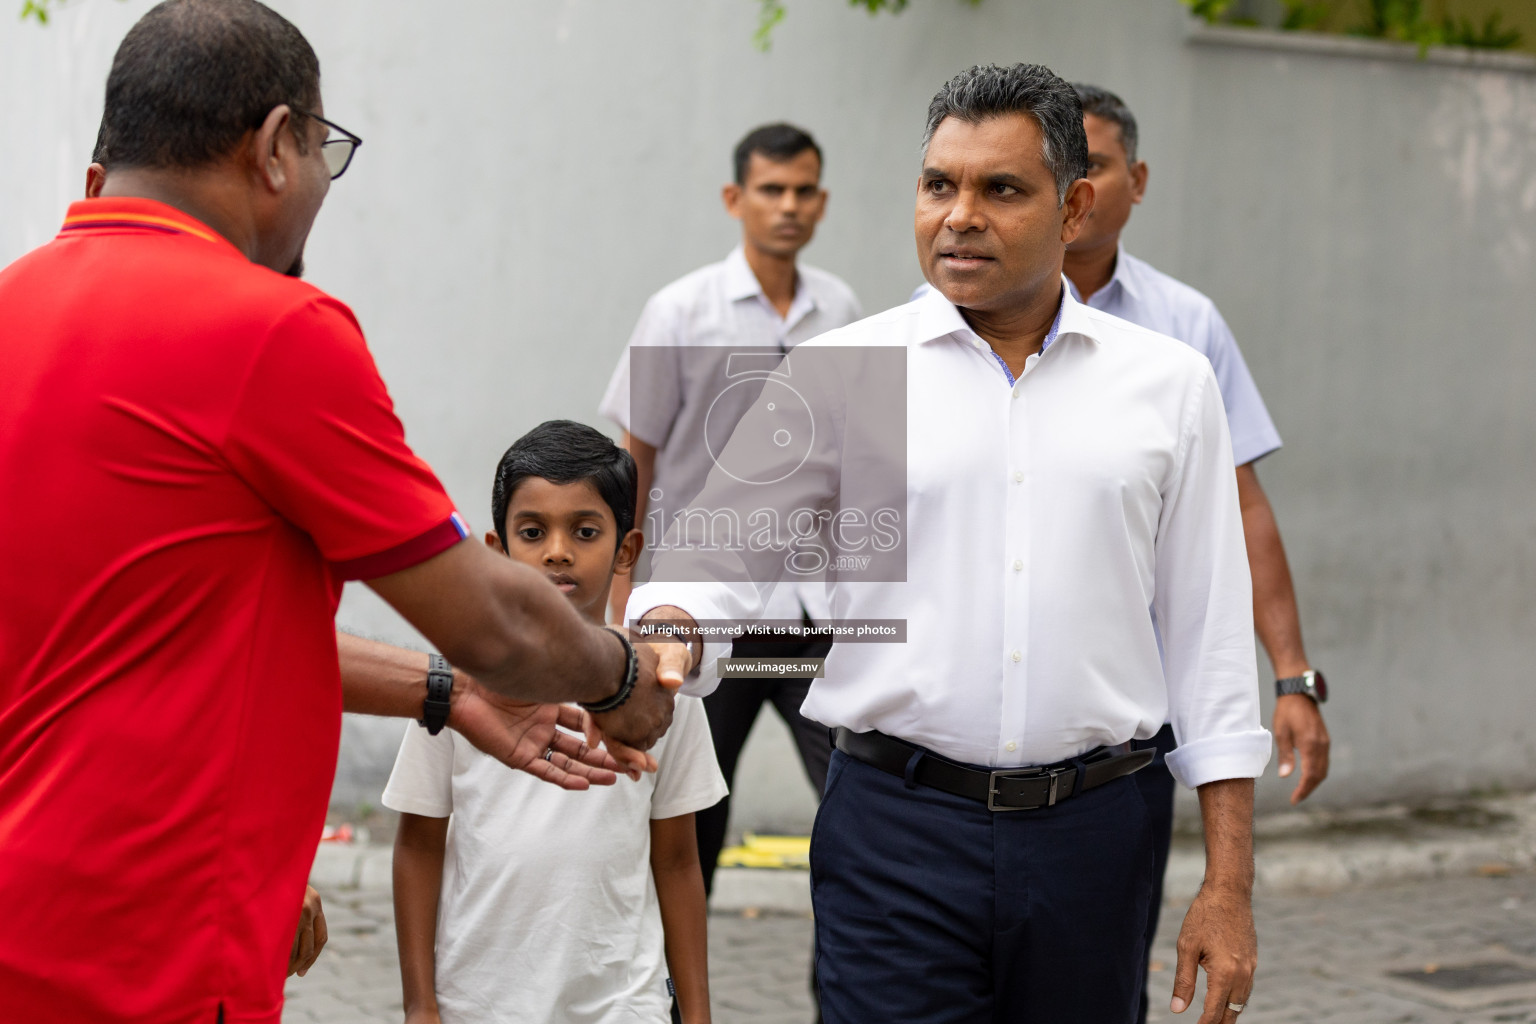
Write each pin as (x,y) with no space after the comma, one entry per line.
(777,142)
(566,452)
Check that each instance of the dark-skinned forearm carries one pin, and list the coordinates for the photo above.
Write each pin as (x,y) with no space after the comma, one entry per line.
(504,624)
(418,882)
(381,679)
(1226,814)
(378,679)
(543,649)
(1275,616)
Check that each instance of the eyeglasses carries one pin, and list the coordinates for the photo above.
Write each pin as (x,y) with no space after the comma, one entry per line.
(337,152)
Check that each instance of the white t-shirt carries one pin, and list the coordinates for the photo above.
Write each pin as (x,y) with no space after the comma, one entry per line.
(548,913)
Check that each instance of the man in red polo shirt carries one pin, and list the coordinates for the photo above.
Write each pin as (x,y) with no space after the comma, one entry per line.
(196,451)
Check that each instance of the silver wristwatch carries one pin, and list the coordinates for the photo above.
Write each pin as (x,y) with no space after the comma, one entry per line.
(1310,682)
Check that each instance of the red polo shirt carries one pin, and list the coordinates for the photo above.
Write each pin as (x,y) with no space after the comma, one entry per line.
(195,452)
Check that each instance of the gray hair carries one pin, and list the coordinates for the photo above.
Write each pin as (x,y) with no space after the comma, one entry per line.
(1104,104)
(981,93)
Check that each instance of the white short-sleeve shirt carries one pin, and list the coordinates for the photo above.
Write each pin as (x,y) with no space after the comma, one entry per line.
(720,305)
(1146,296)
(548,913)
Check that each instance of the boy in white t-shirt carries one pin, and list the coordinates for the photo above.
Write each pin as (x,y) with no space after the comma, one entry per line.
(519,902)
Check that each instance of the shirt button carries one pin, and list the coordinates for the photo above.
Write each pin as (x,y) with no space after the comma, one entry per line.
(1018,476)
(1017,656)
(1018,565)
(1012,746)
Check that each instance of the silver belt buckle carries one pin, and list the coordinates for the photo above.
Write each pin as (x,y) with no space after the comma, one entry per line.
(1022,773)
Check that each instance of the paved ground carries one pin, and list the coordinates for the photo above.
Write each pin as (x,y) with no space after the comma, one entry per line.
(1324,957)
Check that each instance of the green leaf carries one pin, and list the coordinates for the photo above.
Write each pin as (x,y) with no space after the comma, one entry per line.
(1300,15)
(770,13)
(1210,10)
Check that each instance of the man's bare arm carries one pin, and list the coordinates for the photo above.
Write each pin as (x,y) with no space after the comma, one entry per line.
(504,624)
(378,679)
(1218,932)
(1298,723)
(1274,597)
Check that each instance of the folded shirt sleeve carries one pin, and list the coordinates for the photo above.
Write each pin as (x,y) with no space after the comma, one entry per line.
(1203,604)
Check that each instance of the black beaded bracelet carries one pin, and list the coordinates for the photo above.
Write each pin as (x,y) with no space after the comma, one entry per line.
(631,674)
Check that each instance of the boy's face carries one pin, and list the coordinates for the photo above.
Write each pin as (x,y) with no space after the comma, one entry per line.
(567,532)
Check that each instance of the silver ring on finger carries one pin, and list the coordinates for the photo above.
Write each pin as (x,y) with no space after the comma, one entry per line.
(1237,1007)
(549,753)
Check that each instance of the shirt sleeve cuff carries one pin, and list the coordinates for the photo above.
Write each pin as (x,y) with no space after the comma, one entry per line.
(1253,448)
(407,804)
(1240,755)
(694,599)
(615,411)
(691,805)
(402,556)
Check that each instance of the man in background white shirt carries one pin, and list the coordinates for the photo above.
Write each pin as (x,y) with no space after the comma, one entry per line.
(1074,576)
(1106,277)
(759,298)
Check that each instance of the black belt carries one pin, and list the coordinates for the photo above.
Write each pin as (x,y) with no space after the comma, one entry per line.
(1006,789)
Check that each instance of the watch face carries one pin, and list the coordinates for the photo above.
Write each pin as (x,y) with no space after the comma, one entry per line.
(1320,685)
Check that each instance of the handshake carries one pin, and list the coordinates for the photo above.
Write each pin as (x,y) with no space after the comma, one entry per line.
(572,746)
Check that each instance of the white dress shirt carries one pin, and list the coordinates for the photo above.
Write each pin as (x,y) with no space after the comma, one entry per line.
(1075,567)
(721,305)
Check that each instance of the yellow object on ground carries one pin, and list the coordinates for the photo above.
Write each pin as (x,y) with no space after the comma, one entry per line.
(768,852)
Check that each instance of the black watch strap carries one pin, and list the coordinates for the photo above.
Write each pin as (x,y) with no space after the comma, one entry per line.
(434,710)
(631,674)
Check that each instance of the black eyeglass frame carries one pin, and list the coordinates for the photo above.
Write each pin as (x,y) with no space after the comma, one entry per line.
(352,141)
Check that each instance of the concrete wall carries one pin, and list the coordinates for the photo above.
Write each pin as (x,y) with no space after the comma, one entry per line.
(534,169)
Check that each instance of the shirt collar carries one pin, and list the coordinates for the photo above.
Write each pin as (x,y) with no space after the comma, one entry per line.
(1124,276)
(120,212)
(937,317)
(741,283)
(1125,273)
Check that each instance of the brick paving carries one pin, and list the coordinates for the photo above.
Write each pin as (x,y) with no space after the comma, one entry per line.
(1322,957)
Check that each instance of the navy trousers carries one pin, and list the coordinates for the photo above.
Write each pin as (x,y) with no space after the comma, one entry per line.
(930,909)
(1156,784)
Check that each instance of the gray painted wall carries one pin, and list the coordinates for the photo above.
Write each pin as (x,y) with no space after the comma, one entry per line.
(533,170)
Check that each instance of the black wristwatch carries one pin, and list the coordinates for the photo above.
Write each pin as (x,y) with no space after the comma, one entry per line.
(631,674)
(434,710)
(1310,682)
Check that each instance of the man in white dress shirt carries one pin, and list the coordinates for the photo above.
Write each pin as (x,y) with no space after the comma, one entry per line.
(1106,277)
(1075,576)
(761,299)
